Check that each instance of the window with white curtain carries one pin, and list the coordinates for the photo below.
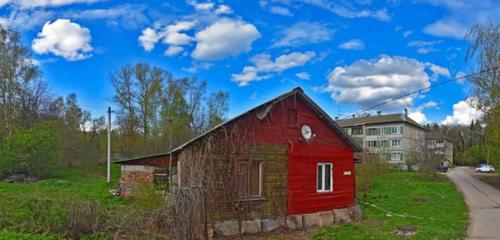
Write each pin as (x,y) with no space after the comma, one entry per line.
(324,177)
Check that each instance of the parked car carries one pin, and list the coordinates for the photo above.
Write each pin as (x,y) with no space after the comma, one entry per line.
(442,167)
(485,168)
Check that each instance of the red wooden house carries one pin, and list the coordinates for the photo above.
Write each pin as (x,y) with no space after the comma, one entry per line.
(282,163)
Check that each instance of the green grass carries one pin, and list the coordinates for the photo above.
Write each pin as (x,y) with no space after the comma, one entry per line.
(7,235)
(71,184)
(400,199)
(435,208)
(43,207)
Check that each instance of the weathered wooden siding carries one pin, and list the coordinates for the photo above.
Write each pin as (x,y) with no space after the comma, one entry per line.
(289,164)
(223,201)
(157,161)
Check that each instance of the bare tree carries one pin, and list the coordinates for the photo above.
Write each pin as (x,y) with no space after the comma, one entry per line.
(16,71)
(148,81)
(484,55)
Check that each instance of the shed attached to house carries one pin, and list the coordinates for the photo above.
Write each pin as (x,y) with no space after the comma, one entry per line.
(284,159)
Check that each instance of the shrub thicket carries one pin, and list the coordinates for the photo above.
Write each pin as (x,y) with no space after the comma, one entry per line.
(36,151)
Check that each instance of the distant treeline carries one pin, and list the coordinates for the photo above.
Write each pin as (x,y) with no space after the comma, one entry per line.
(40,131)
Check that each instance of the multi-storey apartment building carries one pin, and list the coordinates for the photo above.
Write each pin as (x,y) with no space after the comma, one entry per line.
(440,145)
(395,137)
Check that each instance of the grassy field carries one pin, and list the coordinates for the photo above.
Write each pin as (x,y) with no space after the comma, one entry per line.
(402,200)
(43,210)
(37,210)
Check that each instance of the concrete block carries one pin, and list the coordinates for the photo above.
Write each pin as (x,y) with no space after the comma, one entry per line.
(269,225)
(311,220)
(138,168)
(294,222)
(250,227)
(356,212)
(227,228)
(210,231)
(342,215)
(326,219)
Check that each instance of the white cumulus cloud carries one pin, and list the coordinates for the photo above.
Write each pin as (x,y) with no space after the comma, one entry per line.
(172,35)
(353,44)
(274,8)
(418,115)
(65,39)
(224,38)
(460,15)
(264,67)
(303,75)
(369,82)
(345,9)
(463,113)
(223,9)
(149,38)
(437,71)
(424,47)
(173,50)
(205,6)
(44,3)
(303,33)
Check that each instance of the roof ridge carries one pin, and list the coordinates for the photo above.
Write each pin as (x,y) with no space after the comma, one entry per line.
(297,90)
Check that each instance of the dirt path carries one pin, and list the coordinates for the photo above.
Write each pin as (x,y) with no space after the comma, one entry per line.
(483,201)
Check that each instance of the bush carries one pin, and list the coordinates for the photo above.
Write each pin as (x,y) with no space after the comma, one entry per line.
(428,168)
(90,219)
(36,151)
(475,154)
(366,172)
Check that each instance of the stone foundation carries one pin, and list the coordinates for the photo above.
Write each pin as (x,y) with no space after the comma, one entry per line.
(292,222)
(133,176)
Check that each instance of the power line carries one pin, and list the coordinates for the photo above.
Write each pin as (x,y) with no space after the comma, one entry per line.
(423,89)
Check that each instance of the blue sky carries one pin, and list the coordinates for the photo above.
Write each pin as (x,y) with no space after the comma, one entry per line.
(347,55)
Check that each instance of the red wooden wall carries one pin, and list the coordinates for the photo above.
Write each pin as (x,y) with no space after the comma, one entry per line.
(279,129)
(302,164)
(303,156)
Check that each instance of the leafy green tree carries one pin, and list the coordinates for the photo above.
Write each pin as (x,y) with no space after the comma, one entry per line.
(18,88)
(36,151)
(484,56)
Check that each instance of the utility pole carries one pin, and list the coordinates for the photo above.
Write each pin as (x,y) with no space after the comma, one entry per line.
(109,144)
(170,121)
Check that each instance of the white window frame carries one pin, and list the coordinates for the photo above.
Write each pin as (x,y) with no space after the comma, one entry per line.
(395,140)
(261,178)
(261,181)
(323,164)
(396,154)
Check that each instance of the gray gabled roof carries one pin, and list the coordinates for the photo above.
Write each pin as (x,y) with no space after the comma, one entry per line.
(296,91)
(378,119)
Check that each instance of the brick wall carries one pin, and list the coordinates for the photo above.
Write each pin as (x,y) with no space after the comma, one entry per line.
(133,176)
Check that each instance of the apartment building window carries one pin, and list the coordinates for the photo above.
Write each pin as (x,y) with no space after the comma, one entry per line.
(372,131)
(357,130)
(390,130)
(384,143)
(395,142)
(396,156)
(373,144)
(346,130)
(358,140)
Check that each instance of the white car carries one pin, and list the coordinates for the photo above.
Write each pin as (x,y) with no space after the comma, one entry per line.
(485,168)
